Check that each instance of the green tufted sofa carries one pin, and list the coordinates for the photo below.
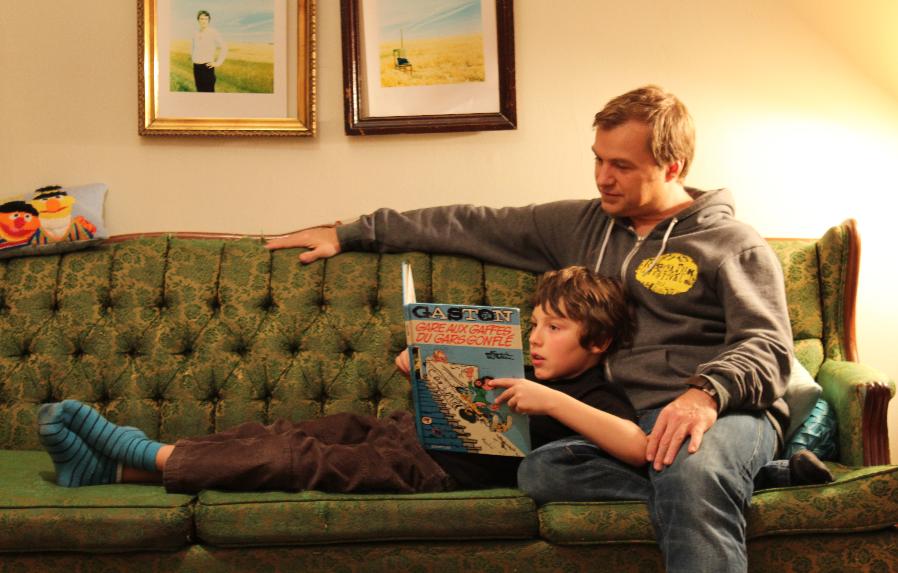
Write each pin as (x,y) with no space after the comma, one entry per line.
(184,335)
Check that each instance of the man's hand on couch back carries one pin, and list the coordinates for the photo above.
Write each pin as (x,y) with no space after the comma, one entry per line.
(322,243)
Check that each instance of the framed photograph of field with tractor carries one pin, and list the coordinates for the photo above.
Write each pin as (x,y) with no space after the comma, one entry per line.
(418,66)
(226,67)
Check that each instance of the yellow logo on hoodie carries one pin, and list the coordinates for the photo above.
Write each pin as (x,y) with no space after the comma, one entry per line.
(673,273)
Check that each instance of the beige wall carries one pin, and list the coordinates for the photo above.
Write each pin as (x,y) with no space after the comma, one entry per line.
(804,138)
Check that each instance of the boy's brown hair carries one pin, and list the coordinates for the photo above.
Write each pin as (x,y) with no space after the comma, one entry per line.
(599,304)
(673,133)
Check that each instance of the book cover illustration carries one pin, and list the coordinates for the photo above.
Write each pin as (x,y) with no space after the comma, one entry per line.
(453,350)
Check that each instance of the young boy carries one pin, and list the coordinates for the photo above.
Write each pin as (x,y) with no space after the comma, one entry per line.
(578,317)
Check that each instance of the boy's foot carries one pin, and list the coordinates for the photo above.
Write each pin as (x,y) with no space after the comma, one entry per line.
(124,444)
(805,468)
(76,464)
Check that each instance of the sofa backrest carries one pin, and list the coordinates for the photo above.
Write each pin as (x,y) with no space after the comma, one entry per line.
(183,336)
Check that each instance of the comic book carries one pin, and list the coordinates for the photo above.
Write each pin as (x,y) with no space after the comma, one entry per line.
(453,349)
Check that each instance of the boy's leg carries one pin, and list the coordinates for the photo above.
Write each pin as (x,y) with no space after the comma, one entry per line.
(126,445)
(338,453)
(75,462)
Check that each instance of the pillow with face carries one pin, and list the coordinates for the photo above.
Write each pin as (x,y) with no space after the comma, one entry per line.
(52,220)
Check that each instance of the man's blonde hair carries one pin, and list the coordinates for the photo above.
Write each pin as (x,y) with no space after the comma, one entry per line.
(673,133)
(599,304)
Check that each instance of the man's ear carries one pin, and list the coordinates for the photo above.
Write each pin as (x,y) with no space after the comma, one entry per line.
(673,170)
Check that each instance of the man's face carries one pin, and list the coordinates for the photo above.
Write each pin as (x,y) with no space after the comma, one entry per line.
(555,349)
(630,182)
(204,21)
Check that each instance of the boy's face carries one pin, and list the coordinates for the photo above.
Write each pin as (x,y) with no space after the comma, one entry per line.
(555,348)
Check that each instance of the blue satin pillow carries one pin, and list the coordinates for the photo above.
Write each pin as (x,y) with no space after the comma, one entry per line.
(818,433)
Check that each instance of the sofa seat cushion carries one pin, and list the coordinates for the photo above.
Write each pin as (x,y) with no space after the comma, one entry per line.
(230,519)
(38,515)
(861,499)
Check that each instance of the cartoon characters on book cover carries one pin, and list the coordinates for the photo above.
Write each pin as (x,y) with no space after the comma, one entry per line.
(455,350)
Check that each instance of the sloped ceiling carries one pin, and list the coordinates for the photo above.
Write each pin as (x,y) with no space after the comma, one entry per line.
(865,31)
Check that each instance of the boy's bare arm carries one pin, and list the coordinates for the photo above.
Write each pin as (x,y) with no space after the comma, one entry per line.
(616,436)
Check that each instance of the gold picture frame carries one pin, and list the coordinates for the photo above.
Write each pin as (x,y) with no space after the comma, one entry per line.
(284,105)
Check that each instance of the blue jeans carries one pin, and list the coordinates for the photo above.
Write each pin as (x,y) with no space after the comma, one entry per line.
(697,505)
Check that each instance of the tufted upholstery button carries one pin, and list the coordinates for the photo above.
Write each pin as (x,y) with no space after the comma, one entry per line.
(240,348)
(348,351)
(215,304)
(294,347)
(78,352)
(267,303)
(104,399)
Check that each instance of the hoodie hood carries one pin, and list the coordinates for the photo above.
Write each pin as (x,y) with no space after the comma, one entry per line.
(708,208)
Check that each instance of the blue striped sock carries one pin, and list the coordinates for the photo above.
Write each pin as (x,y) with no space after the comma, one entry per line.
(124,444)
(76,464)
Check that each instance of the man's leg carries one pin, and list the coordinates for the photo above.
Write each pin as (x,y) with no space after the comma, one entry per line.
(802,468)
(204,78)
(698,503)
(574,469)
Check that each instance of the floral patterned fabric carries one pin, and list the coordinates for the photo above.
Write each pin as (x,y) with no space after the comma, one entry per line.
(38,515)
(306,518)
(186,336)
(862,552)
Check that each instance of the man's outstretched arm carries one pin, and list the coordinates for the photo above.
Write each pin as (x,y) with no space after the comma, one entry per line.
(322,243)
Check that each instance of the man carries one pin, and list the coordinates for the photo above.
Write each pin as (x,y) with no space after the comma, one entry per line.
(713,348)
(206,42)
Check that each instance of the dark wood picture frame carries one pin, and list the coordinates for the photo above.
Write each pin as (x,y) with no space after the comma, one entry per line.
(354,90)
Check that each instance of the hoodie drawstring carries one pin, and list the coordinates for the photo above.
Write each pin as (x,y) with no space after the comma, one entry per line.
(608,228)
(667,233)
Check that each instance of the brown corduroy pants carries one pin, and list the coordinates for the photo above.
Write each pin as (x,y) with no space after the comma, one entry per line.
(339,453)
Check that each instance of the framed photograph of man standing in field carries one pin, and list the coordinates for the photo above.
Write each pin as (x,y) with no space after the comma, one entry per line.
(226,67)
(413,66)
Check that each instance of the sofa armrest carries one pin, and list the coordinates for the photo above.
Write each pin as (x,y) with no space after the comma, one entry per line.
(860,395)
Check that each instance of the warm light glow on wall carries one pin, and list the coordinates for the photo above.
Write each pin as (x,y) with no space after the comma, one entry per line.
(825,172)
(821,172)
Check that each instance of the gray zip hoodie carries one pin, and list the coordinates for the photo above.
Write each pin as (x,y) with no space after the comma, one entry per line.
(709,292)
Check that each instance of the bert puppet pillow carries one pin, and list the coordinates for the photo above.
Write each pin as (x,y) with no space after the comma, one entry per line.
(52,220)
